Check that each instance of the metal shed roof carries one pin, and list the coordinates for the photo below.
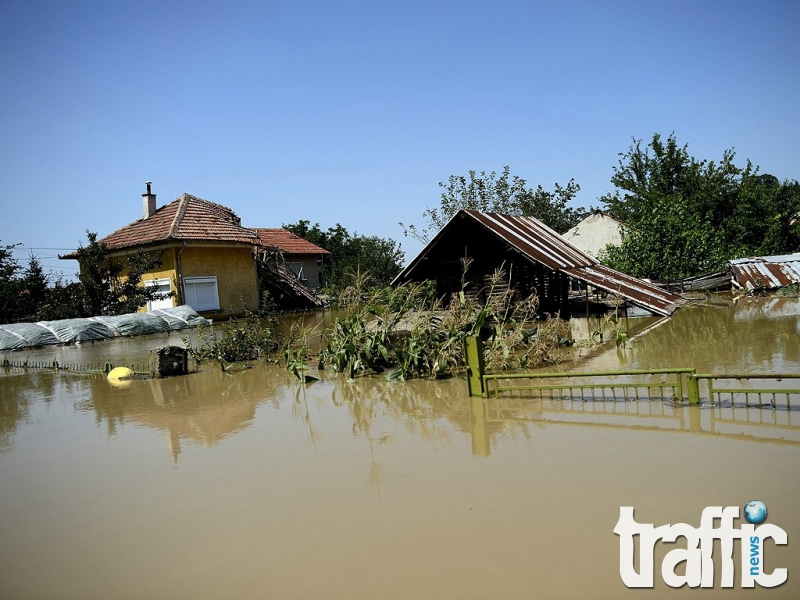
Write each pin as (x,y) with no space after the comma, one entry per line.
(539,243)
(767,272)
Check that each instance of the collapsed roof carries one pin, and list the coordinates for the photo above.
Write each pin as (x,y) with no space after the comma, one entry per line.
(767,272)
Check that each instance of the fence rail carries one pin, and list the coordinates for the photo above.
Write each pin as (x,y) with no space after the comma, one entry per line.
(771,393)
(626,385)
(587,387)
(106,367)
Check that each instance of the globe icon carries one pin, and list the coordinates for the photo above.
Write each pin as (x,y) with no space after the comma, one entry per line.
(755,512)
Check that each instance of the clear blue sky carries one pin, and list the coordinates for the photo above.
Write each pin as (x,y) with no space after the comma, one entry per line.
(352,112)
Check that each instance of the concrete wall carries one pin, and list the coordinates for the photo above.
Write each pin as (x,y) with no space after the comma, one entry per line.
(310,268)
(594,233)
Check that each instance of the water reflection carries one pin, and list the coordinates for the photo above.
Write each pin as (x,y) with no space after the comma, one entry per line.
(725,421)
(21,389)
(203,408)
(209,406)
(720,336)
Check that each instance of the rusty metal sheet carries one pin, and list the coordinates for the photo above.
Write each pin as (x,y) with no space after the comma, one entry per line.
(767,272)
(535,239)
(635,290)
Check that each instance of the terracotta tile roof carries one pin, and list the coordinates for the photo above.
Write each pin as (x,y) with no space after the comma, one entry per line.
(186,218)
(194,219)
(288,242)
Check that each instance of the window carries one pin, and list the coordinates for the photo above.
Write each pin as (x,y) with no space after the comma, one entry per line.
(201,293)
(163,288)
(297,268)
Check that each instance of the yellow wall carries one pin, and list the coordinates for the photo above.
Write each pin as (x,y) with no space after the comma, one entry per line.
(232,266)
(235,272)
(166,271)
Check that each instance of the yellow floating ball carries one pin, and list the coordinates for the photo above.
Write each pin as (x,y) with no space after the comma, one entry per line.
(119,373)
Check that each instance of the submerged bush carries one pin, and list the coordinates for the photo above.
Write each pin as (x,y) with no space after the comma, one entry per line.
(247,338)
(408,333)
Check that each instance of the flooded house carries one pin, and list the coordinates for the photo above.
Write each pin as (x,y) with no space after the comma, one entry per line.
(212,263)
(533,257)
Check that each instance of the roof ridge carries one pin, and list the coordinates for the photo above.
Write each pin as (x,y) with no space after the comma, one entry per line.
(229,213)
(179,214)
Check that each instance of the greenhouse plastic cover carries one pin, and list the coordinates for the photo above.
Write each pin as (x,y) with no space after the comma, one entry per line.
(16,336)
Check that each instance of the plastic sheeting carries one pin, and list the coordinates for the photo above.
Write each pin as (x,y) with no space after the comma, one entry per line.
(17,336)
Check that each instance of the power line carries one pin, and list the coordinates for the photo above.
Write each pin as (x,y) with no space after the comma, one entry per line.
(19,247)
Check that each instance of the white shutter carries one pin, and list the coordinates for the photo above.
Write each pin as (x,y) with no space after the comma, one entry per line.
(201,293)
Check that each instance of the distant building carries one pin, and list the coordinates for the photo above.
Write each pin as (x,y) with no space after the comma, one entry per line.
(209,261)
(595,232)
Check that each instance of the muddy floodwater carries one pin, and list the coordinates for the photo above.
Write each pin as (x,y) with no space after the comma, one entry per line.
(247,485)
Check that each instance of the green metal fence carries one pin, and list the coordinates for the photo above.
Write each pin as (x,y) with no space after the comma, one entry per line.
(759,396)
(654,384)
(678,384)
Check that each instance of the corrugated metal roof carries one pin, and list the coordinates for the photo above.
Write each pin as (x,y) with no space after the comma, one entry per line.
(637,291)
(535,239)
(767,272)
(539,243)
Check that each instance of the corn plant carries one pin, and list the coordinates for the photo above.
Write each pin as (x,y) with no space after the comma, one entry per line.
(409,334)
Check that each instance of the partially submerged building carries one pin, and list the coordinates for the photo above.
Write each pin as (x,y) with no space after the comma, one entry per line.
(533,256)
(766,272)
(212,263)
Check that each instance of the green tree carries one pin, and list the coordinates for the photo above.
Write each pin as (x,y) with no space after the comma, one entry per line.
(34,288)
(687,216)
(10,285)
(63,300)
(110,286)
(381,257)
(105,286)
(504,194)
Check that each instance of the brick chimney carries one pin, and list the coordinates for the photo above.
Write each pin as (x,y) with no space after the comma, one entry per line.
(148,202)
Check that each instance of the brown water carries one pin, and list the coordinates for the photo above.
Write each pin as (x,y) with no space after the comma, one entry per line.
(247,485)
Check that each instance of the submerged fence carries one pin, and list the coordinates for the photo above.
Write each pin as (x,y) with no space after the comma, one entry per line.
(676,385)
(625,385)
(752,396)
(106,367)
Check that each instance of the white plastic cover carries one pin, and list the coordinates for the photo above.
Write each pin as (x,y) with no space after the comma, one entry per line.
(16,336)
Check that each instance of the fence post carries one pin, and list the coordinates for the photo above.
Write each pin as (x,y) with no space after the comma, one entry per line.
(107,367)
(694,389)
(475,365)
